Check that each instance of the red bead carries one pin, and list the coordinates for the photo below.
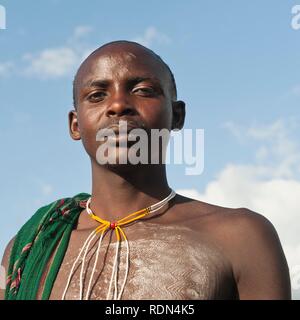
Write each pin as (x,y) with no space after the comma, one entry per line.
(113,225)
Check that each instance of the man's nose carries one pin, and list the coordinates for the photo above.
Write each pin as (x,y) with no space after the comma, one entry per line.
(120,106)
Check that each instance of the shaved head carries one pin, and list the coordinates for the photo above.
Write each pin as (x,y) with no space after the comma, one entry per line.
(131,50)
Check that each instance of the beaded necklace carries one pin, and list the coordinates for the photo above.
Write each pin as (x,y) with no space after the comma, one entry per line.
(105,227)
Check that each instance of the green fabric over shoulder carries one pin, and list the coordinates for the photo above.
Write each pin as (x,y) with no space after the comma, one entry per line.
(46,232)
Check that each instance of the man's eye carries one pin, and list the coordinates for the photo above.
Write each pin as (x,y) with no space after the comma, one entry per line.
(96,96)
(146,91)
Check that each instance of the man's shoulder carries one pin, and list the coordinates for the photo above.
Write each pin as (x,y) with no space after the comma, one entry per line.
(240,233)
(238,222)
(42,216)
(62,205)
(4,266)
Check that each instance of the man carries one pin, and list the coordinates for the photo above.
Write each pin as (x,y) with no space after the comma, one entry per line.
(187,250)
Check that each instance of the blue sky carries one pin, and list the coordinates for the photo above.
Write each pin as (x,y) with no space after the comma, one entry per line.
(236,64)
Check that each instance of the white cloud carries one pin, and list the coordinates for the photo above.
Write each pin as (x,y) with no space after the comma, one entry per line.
(63,60)
(151,36)
(60,61)
(44,192)
(82,31)
(6,68)
(296,90)
(275,148)
(52,62)
(270,186)
(43,189)
(47,189)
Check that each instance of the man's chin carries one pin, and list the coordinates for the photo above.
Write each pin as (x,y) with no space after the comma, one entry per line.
(122,168)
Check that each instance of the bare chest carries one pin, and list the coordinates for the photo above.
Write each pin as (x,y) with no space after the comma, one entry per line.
(164,263)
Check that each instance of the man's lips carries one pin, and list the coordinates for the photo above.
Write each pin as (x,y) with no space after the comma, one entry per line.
(120,132)
(122,127)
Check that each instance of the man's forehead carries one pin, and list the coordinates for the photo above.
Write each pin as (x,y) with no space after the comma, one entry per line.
(124,49)
(115,59)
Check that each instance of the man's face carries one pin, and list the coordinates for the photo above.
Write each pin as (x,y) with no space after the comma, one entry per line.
(122,82)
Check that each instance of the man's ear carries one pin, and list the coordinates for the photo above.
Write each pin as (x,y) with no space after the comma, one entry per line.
(73,125)
(178,115)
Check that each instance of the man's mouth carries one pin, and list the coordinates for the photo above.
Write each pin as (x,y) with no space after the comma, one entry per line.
(120,132)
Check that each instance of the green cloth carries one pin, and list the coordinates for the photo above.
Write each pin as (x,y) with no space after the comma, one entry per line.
(47,232)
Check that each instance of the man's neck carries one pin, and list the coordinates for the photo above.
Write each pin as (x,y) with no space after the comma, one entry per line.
(116,194)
